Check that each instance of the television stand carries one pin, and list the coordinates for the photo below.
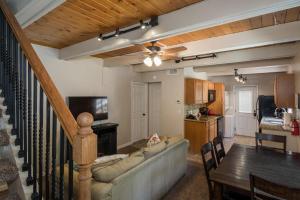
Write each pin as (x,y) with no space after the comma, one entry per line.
(107,138)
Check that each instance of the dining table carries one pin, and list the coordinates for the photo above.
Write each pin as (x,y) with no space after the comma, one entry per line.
(241,160)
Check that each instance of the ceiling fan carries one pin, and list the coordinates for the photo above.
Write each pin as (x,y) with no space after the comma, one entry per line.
(154,54)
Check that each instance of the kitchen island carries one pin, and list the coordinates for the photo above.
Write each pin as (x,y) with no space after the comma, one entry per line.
(275,126)
(200,131)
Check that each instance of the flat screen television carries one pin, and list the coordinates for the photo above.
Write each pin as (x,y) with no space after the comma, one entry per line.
(97,106)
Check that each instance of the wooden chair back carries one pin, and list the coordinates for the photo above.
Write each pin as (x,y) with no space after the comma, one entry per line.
(219,148)
(209,163)
(262,189)
(259,137)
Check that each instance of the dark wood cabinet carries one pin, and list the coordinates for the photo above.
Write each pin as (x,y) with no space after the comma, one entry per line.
(107,138)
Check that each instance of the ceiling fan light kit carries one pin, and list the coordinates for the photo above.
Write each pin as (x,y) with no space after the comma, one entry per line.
(148,62)
(142,25)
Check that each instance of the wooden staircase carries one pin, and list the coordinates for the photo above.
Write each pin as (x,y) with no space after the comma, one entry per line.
(48,136)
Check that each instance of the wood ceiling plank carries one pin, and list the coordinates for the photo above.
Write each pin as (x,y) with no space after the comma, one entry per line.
(256,22)
(280,17)
(292,15)
(268,20)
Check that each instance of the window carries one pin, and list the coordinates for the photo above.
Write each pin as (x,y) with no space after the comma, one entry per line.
(245,101)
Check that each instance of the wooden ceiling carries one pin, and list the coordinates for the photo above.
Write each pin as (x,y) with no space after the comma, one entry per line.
(78,20)
(271,19)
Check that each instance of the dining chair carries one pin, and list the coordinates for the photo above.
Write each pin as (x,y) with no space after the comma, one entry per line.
(262,189)
(209,163)
(259,137)
(219,148)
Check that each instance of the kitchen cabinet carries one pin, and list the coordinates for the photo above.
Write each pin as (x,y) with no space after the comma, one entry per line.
(218,106)
(212,129)
(284,91)
(211,85)
(196,91)
(199,132)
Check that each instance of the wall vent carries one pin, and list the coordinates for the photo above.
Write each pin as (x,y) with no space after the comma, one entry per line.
(172,72)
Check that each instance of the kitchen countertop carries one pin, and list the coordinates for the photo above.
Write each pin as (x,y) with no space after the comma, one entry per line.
(204,118)
(266,123)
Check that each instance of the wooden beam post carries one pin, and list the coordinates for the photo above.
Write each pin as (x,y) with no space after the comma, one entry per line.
(84,154)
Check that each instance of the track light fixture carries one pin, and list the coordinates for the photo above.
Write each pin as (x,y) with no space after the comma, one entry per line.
(142,25)
(117,32)
(100,37)
(239,77)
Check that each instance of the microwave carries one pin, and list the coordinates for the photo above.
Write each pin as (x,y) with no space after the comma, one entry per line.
(211,95)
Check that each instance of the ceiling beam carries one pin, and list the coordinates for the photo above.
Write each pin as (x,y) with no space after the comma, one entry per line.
(231,57)
(34,10)
(261,66)
(191,18)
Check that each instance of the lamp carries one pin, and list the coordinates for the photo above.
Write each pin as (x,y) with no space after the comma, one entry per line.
(148,62)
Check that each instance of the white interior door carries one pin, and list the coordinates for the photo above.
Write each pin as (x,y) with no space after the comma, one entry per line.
(245,98)
(139,111)
(154,108)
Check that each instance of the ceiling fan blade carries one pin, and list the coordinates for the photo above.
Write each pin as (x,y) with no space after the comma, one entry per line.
(175,50)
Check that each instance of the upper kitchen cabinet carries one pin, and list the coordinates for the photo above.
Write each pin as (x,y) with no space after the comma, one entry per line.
(284,90)
(196,91)
(218,106)
(211,85)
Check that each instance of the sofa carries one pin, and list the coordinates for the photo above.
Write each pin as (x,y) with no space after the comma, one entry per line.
(151,178)
(149,173)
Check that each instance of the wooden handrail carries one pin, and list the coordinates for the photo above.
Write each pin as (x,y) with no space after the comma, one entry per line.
(58,104)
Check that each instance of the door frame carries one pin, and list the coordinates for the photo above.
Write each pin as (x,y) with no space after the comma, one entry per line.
(133,83)
(235,87)
(160,102)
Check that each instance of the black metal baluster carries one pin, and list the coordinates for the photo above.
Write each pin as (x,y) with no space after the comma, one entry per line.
(29,180)
(70,162)
(35,194)
(15,82)
(47,149)
(17,141)
(53,175)
(41,141)
(25,164)
(21,152)
(61,164)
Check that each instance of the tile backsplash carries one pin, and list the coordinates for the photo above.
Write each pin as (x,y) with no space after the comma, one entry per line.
(193,109)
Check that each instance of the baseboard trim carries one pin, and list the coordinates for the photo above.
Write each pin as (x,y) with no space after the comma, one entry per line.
(124,145)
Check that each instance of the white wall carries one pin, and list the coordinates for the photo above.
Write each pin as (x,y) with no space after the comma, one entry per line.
(87,77)
(172,100)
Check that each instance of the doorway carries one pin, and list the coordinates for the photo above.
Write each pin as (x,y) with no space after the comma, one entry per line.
(139,111)
(245,122)
(154,96)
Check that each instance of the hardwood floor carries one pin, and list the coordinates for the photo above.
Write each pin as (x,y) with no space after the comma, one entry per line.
(193,185)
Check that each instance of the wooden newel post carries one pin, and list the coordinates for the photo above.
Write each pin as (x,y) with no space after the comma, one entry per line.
(84,154)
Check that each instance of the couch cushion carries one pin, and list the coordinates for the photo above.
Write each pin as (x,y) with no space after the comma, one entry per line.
(107,174)
(101,191)
(173,140)
(154,149)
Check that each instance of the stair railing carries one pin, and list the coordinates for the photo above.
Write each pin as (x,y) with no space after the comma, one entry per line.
(49,137)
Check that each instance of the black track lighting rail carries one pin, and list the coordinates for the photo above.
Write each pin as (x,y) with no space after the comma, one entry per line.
(152,23)
(195,57)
